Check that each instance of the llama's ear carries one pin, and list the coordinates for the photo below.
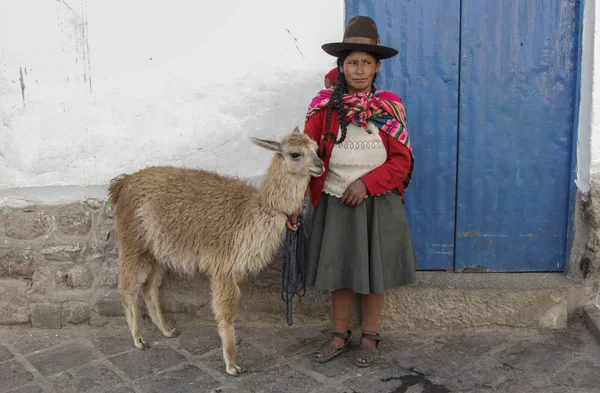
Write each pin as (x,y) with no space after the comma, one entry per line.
(296,129)
(269,145)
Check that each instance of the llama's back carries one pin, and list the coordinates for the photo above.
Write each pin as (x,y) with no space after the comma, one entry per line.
(183,216)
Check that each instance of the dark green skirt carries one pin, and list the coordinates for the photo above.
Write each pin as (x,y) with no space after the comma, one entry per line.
(367,248)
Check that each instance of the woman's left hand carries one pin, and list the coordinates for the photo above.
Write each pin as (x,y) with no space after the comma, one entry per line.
(355,194)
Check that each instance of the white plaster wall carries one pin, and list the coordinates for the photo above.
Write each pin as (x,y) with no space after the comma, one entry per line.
(586,96)
(91,89)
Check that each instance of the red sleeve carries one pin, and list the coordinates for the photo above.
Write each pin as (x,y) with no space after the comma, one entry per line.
(392,173)
(313,126)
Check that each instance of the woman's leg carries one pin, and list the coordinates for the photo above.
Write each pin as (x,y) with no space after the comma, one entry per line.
(371,306)
(341,306)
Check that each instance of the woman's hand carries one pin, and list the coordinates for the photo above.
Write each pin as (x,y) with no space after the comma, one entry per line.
(293,226)
(355,194)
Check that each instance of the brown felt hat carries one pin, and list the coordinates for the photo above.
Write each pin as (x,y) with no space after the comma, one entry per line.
(361,34)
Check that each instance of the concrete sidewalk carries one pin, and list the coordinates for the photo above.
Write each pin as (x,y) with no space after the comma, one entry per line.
(277,358)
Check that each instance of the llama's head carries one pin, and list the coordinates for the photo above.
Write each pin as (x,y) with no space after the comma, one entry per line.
(298,153)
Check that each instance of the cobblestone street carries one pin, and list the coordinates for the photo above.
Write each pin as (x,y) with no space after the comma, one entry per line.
(277,358)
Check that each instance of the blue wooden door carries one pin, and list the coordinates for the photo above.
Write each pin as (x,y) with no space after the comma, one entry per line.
(517,92)
(489,88)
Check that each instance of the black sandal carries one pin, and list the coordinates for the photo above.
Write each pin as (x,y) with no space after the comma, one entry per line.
(367,355)
(328,351)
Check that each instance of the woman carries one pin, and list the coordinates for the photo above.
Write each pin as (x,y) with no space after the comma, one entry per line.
(359,236)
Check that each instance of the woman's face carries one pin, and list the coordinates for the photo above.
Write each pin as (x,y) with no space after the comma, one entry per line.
(360,68)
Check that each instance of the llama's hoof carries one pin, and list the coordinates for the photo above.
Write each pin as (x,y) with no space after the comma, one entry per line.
(234,370)
(171,332)
(141,344)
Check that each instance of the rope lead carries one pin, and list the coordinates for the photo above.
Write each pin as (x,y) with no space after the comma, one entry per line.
(293,279)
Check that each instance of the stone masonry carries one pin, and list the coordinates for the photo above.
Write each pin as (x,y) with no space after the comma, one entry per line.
(58,264)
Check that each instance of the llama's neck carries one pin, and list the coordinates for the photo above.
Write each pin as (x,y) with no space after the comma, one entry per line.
(282,191)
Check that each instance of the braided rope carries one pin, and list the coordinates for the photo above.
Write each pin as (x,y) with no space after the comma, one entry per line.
(293,278)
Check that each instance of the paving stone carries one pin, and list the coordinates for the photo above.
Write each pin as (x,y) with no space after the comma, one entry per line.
(329,389)
(90,379)
(28,389)
(573,362)
(384,378)
(487,373)
(250,359)
(199,340)
(5,354)
(189,378)
(542,354)
(13,374)
(432,359)
(117,343)
(582,374)
(280,379)
(117,339)
(140,363)
(123,390)
(61,358)
(399,342)
(527,388)
(379,378)
(282,340)
(32,340)
(230,389)
(337,368)
(479,343)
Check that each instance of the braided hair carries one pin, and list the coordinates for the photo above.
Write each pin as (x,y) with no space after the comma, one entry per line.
(336,102)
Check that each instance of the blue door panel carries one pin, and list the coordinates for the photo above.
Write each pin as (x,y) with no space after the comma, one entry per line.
(517,81)
(425,75)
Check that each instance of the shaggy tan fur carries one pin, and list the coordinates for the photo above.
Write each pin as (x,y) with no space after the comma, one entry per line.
(193,221)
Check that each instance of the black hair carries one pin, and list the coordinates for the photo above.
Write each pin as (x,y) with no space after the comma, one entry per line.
(341,88)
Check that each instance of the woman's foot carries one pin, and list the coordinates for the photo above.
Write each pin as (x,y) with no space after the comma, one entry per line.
(369,349)
(339,343)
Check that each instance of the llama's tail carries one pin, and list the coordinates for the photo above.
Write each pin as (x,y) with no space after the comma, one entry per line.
(115,187)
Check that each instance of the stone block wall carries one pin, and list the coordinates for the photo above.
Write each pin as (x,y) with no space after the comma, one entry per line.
(58,264)
(585,256)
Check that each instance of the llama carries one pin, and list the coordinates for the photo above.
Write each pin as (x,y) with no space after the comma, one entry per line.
(193,221)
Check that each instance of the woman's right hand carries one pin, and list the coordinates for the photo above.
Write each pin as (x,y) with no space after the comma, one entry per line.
(293,225)
(355,194)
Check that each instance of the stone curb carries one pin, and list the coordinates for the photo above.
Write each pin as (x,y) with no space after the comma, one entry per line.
(591,318)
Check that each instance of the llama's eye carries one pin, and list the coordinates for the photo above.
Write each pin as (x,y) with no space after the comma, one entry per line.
(295,155)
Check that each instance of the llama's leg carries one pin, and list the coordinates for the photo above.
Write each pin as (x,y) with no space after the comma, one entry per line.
(133,271)
(225,295)
(239,278)
(151,290)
